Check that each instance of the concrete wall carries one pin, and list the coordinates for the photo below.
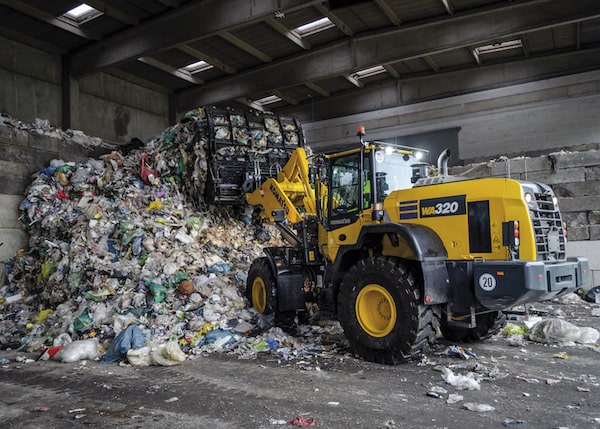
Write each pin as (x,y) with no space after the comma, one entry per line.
(29,82)
(21,154)
(112,108)
(531,118)
(102,105)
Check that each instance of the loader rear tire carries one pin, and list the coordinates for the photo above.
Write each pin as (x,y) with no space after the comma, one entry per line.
(488,325)
(379,309)
(260,287)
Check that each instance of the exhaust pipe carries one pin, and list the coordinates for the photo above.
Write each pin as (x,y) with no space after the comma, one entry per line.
(442,162)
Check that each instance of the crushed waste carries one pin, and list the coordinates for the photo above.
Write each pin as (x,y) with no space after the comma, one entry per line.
(127,239)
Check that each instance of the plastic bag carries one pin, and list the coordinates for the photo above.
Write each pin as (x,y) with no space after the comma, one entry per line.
(461,382)
(79,350)
(588,336)
(168,354)
(554,330)
(130,338)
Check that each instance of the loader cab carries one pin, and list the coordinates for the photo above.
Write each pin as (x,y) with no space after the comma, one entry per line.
(353,181)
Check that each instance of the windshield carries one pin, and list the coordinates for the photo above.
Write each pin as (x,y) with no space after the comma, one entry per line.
(393,170)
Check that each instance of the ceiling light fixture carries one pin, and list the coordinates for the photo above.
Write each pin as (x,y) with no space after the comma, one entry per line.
(499,47)
(314,27)
(198,66)
(371,71)
(268,100)
(81,13)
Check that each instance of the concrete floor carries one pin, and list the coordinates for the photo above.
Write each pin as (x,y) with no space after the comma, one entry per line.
(523,383)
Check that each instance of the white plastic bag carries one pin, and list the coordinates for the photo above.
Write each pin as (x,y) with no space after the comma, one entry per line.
(461,382)
(553,331)
(79,350)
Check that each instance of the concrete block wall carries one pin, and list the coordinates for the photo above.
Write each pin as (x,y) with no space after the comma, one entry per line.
(575,179)
(113,108)
(23,153)
(532,118)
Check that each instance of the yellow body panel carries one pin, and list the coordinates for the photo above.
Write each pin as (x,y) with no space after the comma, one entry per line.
(330,241)
(505,204)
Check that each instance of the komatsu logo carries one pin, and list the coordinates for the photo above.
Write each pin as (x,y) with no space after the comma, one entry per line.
(446,206)
(279,199)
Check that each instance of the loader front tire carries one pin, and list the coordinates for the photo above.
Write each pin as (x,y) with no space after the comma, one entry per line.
(380,312)
(260,287)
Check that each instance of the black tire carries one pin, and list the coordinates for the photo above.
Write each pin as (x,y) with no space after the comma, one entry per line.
(379,309)
(488,325)
(260,286)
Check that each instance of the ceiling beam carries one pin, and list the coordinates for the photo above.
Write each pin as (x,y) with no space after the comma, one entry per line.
(318,89)
(341,58)
(210,60)
(31,41)
(341,25)
(118,13)
(524,45)
(181,74)
(285,97)
(354,80)
(49,19)
(389,12)
(170,3)
(286,32)
(246,47)
(391,70)
(417,89)
(250,103)
(431,63)
(475,54)
(185,24)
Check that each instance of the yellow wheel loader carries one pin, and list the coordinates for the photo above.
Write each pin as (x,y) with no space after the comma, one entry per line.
(393,253)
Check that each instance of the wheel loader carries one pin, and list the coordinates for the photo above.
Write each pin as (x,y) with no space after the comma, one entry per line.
(396,254)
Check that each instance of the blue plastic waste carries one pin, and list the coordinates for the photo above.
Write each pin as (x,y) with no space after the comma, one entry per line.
(130,338)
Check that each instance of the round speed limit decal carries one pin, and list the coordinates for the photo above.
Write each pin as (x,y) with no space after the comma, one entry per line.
(487,282)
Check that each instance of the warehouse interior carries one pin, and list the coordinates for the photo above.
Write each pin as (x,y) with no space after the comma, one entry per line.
(488,78)
(494,78)
(139,65)
(109,114)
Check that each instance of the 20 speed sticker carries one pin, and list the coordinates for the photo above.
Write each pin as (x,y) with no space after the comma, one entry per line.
(487,282)
(446,206)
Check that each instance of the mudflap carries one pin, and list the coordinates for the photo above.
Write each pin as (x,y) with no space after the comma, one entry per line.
(436,283)
(290,291)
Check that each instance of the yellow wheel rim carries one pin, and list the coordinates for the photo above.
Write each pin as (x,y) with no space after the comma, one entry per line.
(259,295)
(376,310)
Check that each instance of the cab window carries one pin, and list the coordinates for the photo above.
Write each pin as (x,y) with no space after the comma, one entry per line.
(345,185)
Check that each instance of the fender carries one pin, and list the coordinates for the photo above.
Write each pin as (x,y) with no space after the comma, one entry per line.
(417,243)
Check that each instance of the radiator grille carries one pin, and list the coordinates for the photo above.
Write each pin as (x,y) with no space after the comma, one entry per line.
(547,228)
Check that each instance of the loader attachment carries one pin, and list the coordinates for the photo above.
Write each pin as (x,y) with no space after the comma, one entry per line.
(244,150)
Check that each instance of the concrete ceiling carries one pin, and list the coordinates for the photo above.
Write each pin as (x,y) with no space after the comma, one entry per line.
(422,50)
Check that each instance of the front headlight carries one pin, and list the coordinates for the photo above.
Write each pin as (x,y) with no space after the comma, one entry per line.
(530,200)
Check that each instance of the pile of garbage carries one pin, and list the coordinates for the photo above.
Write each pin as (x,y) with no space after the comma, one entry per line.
(127,240)
(44,127)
